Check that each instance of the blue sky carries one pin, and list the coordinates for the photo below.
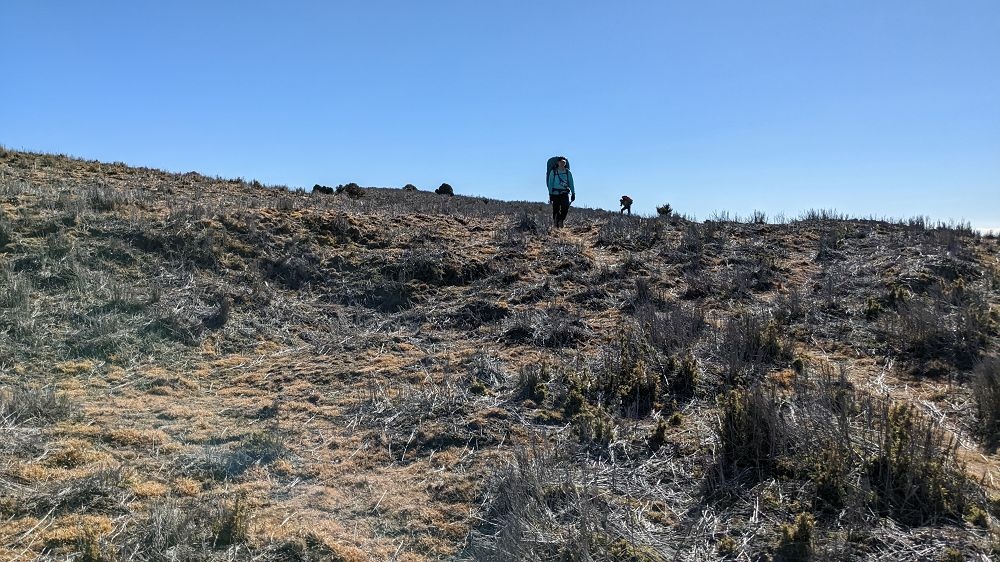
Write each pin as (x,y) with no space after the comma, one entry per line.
(885,108)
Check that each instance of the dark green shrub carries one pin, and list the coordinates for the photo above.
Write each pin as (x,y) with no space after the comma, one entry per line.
(665,210)
(751,342)
(915,474)
(532,382)
(750,431)
(684,379)
(574,401)
(352,190)
(952,554)
(594,428)
(641,391)
(795,544)
(659,435)
(444,189)
(727,547)
(627,382)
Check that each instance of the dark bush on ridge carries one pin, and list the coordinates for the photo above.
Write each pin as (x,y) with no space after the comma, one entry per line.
(351,190)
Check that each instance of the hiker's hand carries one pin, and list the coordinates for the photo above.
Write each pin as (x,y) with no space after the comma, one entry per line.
(572,197)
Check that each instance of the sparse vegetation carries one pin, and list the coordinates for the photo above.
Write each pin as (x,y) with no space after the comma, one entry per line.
(201,368)
(986,391)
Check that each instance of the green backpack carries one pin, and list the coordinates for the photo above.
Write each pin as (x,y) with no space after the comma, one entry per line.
(552,164)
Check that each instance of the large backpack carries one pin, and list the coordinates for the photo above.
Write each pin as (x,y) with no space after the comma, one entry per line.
(552,164)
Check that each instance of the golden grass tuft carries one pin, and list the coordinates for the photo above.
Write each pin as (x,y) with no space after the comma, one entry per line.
(30,472)
(187,487)
(149,489)
(73,529)
(74,453)
(74,367)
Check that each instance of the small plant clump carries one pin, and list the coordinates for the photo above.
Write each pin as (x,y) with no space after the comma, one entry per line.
(795,543)
(986,392)
(532,382)
(659,436)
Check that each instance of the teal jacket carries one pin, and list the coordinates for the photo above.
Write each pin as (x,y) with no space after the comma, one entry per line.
(561,182)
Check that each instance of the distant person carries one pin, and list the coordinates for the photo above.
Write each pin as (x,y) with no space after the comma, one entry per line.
(626,203)
(561,190)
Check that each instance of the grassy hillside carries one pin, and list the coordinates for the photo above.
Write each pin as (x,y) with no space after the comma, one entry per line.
(196,368)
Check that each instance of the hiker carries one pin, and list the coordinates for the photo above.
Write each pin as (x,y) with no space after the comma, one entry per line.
(561,190)
(626,203)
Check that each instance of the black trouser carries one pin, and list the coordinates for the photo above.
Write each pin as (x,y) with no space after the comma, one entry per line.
(560,207)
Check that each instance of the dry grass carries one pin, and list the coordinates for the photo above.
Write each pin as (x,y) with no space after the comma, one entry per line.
(219,370)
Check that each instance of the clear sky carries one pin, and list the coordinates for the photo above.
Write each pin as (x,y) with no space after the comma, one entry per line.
(870,107)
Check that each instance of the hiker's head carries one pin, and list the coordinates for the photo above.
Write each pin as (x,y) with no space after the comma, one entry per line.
(562,163)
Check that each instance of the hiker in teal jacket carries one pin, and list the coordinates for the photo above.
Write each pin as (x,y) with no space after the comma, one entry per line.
(561,191)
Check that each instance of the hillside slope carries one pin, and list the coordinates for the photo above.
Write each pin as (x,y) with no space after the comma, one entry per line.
(196,368)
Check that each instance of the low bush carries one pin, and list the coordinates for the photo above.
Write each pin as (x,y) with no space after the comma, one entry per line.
(545,506)
(6,231)
(352,190)
(532,382)
(191,529)
(594,428)
(915,474)
(552,327)
(633,233)
(926,328)
(684,378)
(751,432)
(672,327)
(627,382)
(796,541)
(22,404)
(751,342)
(857,452)
(986,394)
